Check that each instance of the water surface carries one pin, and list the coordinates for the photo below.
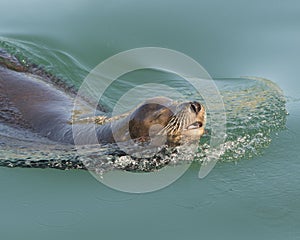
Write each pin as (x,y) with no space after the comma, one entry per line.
(244,199)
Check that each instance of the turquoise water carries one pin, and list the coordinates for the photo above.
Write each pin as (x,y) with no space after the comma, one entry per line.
(251,198)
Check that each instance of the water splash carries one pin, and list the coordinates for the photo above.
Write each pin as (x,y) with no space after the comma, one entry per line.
(255,110)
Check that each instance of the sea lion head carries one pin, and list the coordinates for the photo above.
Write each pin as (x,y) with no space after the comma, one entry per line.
(163,117)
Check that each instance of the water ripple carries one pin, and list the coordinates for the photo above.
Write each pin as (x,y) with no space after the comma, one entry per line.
(255,111)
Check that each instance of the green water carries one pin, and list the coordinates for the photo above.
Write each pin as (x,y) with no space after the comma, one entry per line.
(248,199)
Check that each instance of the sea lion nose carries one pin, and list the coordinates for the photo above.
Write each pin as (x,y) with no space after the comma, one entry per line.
(195,106)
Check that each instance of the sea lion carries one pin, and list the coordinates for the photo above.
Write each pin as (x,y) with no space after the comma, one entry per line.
(27,100)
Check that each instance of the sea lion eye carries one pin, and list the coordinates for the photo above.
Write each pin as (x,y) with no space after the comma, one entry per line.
(164,113)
